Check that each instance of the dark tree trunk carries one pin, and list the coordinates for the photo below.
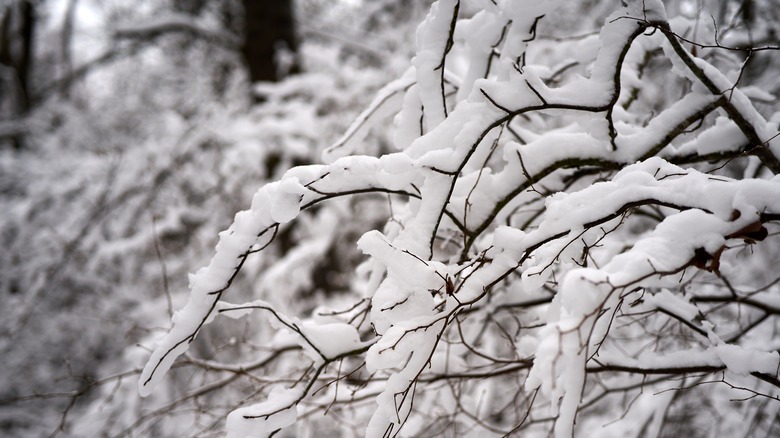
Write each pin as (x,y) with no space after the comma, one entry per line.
(17,21)
(269,27)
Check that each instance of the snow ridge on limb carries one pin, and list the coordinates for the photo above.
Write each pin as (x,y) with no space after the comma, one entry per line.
(434,41)
(253,229)
(588,300)
(386,103)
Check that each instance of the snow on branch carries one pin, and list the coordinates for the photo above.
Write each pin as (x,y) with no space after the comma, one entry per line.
(172,22)
(571,223)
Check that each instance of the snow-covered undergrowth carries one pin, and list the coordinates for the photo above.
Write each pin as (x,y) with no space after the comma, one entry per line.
(114,200)
(576,234)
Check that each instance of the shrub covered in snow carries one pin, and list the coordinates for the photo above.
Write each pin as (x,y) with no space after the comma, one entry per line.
(575,234)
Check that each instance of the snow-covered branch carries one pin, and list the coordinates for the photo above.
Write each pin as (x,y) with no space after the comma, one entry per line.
(571,223)
(177,23)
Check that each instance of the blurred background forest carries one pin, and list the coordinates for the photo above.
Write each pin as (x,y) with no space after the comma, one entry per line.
(130,134)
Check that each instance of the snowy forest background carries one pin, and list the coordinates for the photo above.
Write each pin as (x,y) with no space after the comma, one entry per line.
(503,218)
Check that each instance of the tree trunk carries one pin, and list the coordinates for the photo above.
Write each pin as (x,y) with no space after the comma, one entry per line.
(269,28)
(17,22)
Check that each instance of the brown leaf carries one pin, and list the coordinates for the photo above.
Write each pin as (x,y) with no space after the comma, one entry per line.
(751,233)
